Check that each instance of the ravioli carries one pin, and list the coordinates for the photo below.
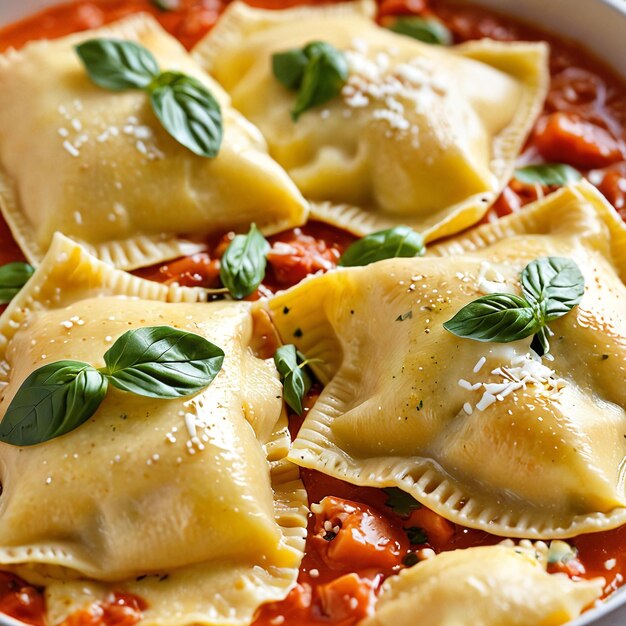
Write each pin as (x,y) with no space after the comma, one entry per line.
(104,171)
(488,435)
(421,135)
(487,586)
(187,503)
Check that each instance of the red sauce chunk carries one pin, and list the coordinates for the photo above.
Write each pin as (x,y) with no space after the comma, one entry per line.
(120,609)
(21,600)
(356,536)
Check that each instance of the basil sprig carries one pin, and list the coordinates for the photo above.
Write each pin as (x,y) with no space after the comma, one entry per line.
(13,276)
(551,287)
(399,241)
(548,174)
(157,362)
(184,106)
(317,72)
(291,366)
(242,267)
(425,29)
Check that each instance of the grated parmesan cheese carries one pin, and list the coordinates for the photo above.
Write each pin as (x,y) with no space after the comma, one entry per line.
(523,371)
(394,90)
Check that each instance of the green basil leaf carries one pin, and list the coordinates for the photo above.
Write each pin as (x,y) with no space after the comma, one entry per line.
(162,362)
(166,5)
(288,67)
(541,342)
(294,376)
(53,401)
(325,74)
(188,112)
(400,501)
(548,174)
(243,265)
(399,241)
(116,64)
(13,276)
(416,535)
(499,317)
(426,29)
(553,284)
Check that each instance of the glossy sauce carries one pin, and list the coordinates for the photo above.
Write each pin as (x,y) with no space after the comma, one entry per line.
(355,540)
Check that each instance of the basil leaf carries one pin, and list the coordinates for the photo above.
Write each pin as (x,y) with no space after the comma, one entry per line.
(416,535)
(52,401)
(288,67)
(426,29)
(188,112)
(399,241)
(13,276)
(162,362)
(500,317)
(541,343)
(117,64)
(553,284)
(325,74)
(400,501)
(166,5)
(547,174)
(294,376)
(243,265)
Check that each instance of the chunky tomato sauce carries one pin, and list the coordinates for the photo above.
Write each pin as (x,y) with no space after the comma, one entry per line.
(355,538)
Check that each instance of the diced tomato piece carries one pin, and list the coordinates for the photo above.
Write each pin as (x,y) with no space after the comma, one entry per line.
(401,7)
(566,138)
(196,24)
(199,270)
(293,260)
(612,183)
(438,529)
(346,600)
(513,197)
(118,610)
(348,533)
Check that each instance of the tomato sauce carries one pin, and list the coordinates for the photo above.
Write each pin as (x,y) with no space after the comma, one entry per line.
(21,600)
(355,538)
(119,609)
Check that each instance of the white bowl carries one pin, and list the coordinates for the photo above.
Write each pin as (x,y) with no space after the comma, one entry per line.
(601,26)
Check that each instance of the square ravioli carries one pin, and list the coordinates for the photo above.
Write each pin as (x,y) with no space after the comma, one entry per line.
(486,586)
(407,403)
(103,170)
(420,135)
(188,503)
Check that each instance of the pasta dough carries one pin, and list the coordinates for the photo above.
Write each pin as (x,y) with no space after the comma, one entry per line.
(422,135)
(187,503)
(488,586)
(408,404)
(103,170)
